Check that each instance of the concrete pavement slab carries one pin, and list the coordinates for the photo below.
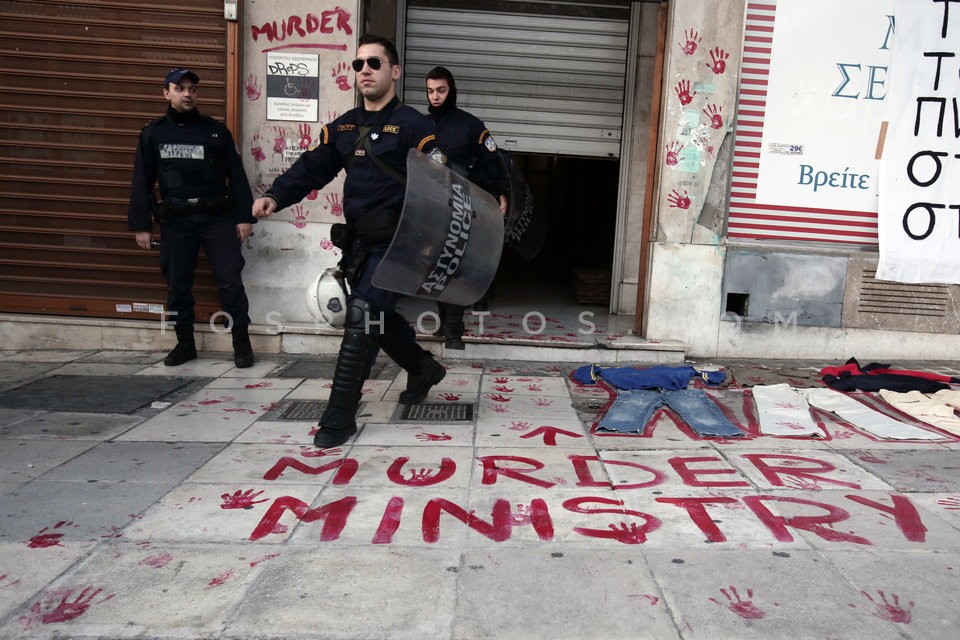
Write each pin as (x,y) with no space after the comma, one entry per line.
(202,367)
(192,422)
(926,470)
(324,592)
(543,593)
(191,590)
(96,510)
(532,433)
(91,393)
(25,570)
(40,425)
(293,432)
(22,460)
(145,358)
(730,593)
(80,368)
(48,355)
(417,434)
(812,471)
(162,463)
(202,512)
(243,462)
(16,372)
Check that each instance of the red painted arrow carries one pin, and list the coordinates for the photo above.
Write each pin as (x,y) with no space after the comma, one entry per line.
(550,435)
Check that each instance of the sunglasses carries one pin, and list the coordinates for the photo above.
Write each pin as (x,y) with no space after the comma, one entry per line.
(373,62)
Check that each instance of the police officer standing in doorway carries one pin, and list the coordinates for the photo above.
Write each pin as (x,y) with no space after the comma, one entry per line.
(471,152)
(205,200)
(370,143)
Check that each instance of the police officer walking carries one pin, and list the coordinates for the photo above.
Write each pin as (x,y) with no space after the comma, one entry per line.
(472,152)
(370,143)
(205,201)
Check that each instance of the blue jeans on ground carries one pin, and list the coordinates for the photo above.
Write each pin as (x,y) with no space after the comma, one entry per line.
(632,410)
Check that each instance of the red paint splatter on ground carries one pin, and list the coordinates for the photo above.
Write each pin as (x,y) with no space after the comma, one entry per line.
(158,561)
(890,609)
(61,605)
(220,580)
(270,556)
(4,583)
(43,539)
(259,385)
(735,603)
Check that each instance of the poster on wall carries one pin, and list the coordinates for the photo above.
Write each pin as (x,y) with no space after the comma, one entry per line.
(293,87)
(809,118)
(919,213)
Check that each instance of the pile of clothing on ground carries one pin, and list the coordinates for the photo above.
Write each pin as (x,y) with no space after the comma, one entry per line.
(888,403)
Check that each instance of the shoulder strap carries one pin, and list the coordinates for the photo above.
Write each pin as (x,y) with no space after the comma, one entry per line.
(363,140)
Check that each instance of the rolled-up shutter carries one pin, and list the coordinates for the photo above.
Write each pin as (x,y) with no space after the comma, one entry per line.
(542,83)
(78,80)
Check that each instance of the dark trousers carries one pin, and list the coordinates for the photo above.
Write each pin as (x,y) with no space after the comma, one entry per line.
(180,242)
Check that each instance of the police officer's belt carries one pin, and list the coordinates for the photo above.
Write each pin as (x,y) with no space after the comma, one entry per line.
(211,205)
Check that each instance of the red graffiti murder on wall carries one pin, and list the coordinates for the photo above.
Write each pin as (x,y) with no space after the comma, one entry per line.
(297,27)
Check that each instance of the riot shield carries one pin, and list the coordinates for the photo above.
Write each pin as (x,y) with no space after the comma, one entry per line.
(448,243)
(525,228)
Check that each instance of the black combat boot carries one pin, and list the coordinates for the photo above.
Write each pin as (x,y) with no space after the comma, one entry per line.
(339,419)
(452,326)
(186,348)
(242,351)
(399,342)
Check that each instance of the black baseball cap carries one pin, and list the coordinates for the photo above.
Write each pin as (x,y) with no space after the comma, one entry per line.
(176,75)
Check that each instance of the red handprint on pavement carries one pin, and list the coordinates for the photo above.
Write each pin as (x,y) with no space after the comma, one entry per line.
(335,201)
(503,388)
(718,60)
(543,402)
(421,475)
(433,437)
(693,40)
(56,606)
(313,195)
(678,201)
(240,499)
(280,141)
(683,92)
(714,114)
(252,88)
(305,138)
(341,74)
(950,503)
(43,540)
(891,610)
(673,153)
(743,608)
(256,149)
(299,216)
(450,397)
(497,397)
(307,452)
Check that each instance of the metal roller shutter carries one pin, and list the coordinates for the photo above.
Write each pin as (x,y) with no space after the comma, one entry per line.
(543,83)
(78,81)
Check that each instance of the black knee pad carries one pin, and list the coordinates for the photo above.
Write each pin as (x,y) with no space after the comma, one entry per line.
(358,311)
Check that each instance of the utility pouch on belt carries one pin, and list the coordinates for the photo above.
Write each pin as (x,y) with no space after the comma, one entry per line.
(342,236)
(376,227)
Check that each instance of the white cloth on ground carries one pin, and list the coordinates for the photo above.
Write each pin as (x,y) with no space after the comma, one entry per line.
(863,417)
(932,409)
(783,411)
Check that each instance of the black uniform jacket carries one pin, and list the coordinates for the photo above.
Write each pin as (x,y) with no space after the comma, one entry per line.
(395,130)
(470,149)
(192,156)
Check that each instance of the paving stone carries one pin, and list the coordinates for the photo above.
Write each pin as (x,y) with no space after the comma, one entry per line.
(157,462)
(90,393)
(84,426)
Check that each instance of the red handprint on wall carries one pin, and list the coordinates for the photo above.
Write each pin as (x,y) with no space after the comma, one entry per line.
(718,60)
(693,40)
(678,201)
(335,202)
(341,74)
(714,114)
(280,141)
(684,93)
(256,149)
(252,88)
(299,216)
(305,138)
(673,153)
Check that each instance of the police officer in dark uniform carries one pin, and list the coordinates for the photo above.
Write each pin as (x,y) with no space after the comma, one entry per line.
(370,143)
(205,201)
(472,152)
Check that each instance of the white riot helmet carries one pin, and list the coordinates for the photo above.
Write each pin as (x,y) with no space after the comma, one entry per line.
(327,297)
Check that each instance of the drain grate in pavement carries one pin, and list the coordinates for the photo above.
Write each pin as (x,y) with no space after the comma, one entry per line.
(304,410)
(92,394)
(438,412)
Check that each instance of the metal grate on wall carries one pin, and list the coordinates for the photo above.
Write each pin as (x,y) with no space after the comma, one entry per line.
(542,82)
(78,80)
